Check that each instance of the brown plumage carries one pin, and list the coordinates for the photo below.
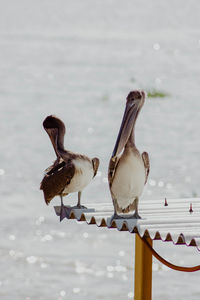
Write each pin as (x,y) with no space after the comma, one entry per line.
(55,181)
(71,172)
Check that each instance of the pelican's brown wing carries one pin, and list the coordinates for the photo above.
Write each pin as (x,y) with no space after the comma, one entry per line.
(145,157)
(95,163)
(55,181)
(111,170)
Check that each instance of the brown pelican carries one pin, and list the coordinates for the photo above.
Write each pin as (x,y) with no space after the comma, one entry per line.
(128,170)
(71,172)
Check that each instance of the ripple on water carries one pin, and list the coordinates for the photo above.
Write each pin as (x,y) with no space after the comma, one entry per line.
(130,295)
(124,277)
(2,172)
(90,130)
(169,186)
(16,254)
(81,268)
(40,220)
(12,237)
(60,234)
(85,235)
(62,293)
(110,268)
(32,259)
(46,238)
(76,290)
(12,253)
(152,182)
(121,253)
(158,81)
(156,46)
(43,266)
(160,184)
(120,268)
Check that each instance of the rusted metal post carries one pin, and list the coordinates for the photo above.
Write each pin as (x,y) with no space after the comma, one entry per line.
(143,270)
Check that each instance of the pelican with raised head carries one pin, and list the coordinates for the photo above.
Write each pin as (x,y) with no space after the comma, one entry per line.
(128,169)
(71,172)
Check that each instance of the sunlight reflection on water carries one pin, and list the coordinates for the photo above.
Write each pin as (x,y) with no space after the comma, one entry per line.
(81,69)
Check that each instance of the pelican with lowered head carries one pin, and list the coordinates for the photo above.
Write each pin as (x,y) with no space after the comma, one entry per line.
(71,172)
(128,169)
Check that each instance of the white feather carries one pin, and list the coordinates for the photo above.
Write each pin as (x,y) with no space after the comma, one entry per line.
(129,179)
(82,177)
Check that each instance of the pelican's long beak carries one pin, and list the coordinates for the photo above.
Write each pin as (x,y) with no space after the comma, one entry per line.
(53,135)
(130,115)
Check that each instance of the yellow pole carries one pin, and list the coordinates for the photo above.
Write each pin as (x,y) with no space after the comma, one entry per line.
(143,270)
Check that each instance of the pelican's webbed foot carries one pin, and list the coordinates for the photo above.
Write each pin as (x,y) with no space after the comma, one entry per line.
(63,213)
(115,216)
(79,206)
(63,210)
(134,216)
(124,217)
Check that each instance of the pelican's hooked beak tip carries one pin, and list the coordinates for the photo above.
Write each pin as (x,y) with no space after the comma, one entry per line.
(143,94)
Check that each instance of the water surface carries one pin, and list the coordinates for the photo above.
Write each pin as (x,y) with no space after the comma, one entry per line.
(79,60)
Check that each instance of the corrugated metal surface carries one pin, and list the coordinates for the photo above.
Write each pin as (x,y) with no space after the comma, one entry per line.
(159,222)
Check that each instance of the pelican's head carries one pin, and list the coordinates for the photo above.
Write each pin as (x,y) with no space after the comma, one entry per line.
(134,103)
(53,122)
(55,128)
(135,98)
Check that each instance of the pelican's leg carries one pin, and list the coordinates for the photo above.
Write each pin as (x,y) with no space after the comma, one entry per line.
(135,215)
(79,202)
(63,213)
(115,215)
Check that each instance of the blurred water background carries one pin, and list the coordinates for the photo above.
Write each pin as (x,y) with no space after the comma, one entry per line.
(79,60)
